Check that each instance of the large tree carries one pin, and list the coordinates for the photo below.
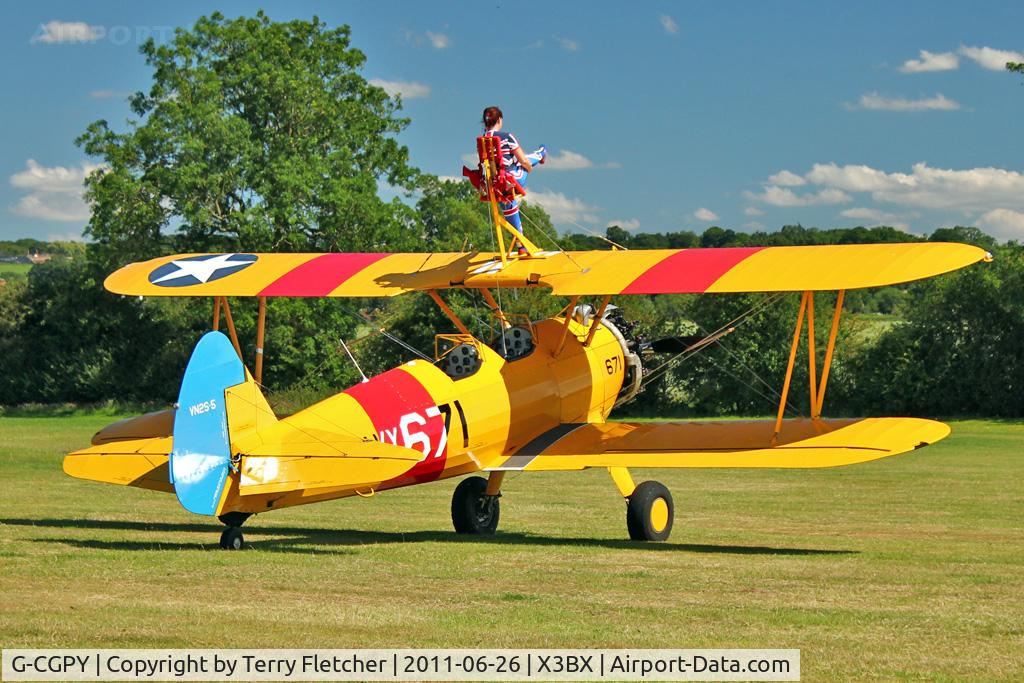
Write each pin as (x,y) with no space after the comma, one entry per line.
(254,135)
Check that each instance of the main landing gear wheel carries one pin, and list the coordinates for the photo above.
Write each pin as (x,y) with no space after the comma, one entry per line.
(649,512)
(232,539)
(473,511)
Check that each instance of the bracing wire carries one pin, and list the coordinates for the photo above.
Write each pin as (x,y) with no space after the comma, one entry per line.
(551,239)
(715,338)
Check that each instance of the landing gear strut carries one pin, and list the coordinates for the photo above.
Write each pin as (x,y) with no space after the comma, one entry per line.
(474,510)
(231,538)
(649,508)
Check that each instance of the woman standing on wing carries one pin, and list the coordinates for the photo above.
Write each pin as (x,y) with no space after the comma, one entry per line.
(518,163)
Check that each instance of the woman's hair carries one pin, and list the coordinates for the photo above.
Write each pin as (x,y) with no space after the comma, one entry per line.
(491,116)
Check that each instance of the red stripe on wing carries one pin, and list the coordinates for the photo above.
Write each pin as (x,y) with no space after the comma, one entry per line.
(688,271)
(321,275)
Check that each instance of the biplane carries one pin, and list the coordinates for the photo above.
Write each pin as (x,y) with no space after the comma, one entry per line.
(535,397)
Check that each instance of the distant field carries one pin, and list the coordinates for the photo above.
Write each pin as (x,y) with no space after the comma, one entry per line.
(906,568)
(14,269)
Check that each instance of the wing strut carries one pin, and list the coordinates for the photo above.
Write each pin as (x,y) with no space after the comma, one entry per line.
(261,322)
(840,295)
(597,320)
(817,390)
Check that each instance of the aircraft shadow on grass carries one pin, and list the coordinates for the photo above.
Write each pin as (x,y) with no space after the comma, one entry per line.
(299,540)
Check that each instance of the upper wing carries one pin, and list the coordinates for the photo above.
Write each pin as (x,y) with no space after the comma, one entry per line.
(801,444)
(656,271)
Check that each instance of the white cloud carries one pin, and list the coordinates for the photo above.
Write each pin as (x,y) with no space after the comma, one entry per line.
(931,61)
(52,207)
(563,209)
(783,196)
(873,217)
(451,178)
(54,192)
(409,90)
(668,24)
(1003,223)
(991,58)
(938,102)
(854,178)
(703,214)
(786,178)
(439,41)
(39,178)
(970,189)
(625,223)
(53,32)
(569,45)
(753,225)
(753,211)
(567,160)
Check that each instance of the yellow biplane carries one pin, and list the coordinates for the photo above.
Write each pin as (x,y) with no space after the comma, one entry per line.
(536,397)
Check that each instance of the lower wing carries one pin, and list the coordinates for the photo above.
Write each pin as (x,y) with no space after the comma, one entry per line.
(739,443)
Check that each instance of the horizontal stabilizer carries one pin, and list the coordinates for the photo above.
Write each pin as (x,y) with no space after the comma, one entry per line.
(364,464)
(156,424)
(801,444)
(130,462)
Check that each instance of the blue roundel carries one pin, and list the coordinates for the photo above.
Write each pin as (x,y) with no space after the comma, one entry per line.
(196,270)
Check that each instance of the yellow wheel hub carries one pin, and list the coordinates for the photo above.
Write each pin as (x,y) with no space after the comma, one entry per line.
(659,515)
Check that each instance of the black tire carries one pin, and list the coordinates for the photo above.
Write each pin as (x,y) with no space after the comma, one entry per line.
(649,512)
(232,539)
(473,511)
(234,518)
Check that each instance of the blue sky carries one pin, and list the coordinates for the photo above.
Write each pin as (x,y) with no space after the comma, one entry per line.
(659,116)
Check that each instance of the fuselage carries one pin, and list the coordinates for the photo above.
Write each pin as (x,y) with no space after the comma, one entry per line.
(458,422)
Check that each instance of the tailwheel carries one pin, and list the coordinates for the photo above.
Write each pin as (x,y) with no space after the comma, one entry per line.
(473,511)
(232,539)
(649,512)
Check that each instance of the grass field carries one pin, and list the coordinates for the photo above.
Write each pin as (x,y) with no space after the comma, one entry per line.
(906,568)
(11,270)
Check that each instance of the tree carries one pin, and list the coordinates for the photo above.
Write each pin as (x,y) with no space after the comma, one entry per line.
(254,135)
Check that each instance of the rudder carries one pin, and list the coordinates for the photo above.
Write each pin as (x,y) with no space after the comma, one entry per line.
(200,459)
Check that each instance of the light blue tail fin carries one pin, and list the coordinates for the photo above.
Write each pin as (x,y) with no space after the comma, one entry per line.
(201,456)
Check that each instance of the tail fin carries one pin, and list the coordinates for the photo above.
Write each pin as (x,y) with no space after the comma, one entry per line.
(217,404)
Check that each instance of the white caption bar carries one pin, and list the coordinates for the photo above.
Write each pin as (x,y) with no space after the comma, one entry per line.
(401,665)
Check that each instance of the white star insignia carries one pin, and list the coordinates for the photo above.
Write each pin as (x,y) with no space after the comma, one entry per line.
(201,270)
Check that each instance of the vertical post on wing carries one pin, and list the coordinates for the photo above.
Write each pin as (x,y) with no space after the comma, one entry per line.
(789,367)
(231,327)
(448,312)
(812,358)
(495,308)
(216,313)
(597,320)
(827,363)
(568,320)
(261,320)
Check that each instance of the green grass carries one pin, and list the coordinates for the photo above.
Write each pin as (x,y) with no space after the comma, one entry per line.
(908,568)
(10,270)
